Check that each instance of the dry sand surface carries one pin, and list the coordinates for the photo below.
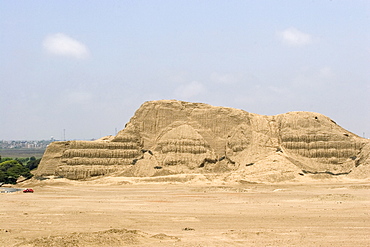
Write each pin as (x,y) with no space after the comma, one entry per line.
(118,212)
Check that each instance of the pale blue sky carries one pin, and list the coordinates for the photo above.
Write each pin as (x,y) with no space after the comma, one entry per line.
(86,66)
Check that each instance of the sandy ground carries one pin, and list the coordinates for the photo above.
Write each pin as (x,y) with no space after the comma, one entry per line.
(67,213)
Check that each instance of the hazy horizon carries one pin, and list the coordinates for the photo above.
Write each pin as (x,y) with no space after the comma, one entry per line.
(86,67)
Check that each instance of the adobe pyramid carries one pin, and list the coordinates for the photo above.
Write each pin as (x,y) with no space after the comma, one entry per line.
(174,137)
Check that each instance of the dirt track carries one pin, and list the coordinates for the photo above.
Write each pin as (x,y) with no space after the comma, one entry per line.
(62,213)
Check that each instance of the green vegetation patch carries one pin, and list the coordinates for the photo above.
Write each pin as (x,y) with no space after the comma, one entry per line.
(12,169)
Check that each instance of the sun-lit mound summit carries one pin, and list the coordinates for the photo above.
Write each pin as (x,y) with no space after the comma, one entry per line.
(174,137)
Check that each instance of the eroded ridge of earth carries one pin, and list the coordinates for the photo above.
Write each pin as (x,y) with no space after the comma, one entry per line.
(168,137)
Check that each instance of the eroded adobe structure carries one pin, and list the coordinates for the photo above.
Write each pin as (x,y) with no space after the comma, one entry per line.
(171,137)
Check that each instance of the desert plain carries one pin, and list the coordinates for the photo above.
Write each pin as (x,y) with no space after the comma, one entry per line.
(186,211)
(190,174)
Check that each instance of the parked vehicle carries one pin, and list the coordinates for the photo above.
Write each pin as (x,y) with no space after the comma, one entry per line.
(28,191)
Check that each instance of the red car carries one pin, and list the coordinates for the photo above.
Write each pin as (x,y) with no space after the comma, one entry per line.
(28,191)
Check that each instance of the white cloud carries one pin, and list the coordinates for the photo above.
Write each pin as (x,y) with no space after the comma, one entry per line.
(294,37)
(189,90)
(62,45)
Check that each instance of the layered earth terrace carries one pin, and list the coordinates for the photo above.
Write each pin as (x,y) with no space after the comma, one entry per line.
(174,137)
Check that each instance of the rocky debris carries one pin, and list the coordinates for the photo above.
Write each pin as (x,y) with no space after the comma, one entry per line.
(188,229)
(175,137)
(111,237)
